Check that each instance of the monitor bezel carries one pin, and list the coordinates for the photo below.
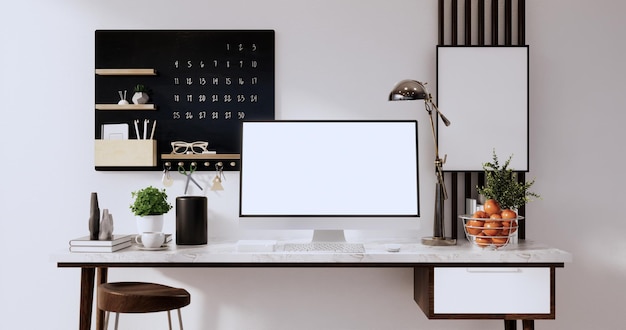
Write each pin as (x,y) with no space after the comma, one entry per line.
(332,221)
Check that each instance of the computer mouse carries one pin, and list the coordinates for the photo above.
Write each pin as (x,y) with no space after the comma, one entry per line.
(393,247)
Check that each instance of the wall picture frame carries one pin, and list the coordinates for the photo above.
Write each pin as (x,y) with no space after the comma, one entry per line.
(484,92)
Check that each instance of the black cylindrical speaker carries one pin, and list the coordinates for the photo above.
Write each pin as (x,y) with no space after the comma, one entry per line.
(191,220)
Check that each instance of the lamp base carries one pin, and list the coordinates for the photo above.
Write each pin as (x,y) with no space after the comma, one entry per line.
(438,241)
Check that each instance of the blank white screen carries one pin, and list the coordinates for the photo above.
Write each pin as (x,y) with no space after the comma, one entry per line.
(329,168)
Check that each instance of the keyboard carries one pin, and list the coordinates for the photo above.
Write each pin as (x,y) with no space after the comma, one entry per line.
(336,247)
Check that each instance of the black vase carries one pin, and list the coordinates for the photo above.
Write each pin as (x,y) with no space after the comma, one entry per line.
(191,220)
(94,218)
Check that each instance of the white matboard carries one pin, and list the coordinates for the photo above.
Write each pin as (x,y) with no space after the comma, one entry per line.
(483,91)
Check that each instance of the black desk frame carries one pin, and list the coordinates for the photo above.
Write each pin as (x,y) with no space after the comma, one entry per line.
(93,274)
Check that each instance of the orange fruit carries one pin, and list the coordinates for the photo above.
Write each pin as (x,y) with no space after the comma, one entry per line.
(509,227)
(506,228)
(491,206)
(482,241)
(474,227)
(499,241)
(480,215)
(492,228)
(508,214)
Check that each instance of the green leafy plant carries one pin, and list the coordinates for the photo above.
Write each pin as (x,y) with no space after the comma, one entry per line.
(502,184)
(150,201)
(140,89)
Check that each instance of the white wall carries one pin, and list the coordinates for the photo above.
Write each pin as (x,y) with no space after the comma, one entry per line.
(577,155)
(325,50)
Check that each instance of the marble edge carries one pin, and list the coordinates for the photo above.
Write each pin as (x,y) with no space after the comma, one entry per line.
(410,252)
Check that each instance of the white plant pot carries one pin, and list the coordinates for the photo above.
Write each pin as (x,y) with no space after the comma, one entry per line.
(149,223)
(140,98)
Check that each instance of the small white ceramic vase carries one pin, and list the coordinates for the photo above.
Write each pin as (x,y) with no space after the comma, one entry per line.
(140,98)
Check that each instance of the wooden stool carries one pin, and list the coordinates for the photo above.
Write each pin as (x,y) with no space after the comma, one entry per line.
(141,297)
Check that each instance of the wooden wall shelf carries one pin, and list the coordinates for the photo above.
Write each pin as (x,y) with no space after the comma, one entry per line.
(203,162)
(126,72)
(201,156)
(125,107)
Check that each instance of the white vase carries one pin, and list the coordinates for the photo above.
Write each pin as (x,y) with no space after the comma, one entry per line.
(149,223)
(140,98)
(106,226)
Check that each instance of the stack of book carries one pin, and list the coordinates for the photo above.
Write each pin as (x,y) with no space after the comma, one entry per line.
(84,244)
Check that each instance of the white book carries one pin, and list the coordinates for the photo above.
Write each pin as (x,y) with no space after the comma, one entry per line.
(85,241)
(113,248)
(470,206)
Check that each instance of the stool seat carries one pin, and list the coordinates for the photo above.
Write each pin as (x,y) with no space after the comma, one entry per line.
(140,297)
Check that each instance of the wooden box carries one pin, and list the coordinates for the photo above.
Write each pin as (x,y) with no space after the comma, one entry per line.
(125,152)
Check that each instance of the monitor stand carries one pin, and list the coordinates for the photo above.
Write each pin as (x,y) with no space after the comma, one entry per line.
(328,236)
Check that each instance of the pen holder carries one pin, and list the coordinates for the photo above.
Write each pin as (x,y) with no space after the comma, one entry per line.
(191,220)
(125,152)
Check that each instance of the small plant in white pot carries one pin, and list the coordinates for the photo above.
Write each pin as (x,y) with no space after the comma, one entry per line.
(148,207)
(140,95)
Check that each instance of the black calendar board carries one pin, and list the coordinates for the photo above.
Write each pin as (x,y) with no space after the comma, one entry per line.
(206,83)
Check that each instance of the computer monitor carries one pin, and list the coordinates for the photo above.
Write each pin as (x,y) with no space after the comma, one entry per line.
(329,176)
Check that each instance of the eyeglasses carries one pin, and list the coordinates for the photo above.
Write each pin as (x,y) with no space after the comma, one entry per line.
(198,147)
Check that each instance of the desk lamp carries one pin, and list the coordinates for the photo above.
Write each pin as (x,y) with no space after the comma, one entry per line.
(415,90)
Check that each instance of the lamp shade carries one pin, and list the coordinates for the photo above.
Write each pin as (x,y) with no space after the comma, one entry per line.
(408,90)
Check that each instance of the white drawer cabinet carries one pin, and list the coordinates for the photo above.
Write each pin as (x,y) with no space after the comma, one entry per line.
(503,290)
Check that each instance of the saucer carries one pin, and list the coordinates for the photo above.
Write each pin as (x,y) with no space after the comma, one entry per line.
(160,248)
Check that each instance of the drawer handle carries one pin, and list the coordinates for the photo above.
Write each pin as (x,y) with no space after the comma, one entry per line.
(494,270)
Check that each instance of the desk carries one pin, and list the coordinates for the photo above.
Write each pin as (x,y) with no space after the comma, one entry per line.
(437,270)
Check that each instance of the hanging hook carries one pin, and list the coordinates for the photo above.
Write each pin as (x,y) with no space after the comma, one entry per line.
(217,180)
(166,179)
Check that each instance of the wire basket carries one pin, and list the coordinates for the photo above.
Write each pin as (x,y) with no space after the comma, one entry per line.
(490,233)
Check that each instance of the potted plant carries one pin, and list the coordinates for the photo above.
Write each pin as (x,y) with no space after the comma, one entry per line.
(140,95)
(503,187)
(148,207)
(495,226)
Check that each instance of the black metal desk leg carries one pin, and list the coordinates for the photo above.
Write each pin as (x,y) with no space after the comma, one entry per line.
(528,324)
(510,324)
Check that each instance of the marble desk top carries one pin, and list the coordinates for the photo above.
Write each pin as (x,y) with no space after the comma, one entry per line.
(225,253)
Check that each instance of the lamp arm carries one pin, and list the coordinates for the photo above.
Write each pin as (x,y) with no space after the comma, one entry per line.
(443,118)
(438,162)
(429,99)
(440,179)
(428,104)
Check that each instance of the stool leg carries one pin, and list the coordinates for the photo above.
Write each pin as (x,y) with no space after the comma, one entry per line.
(117,315)
(169,320)
(106,320)
(180,319)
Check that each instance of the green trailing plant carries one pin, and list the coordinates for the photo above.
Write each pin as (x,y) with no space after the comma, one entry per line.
(502,184)
(150,201)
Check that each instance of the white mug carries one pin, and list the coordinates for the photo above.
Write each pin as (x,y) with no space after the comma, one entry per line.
(150,239)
